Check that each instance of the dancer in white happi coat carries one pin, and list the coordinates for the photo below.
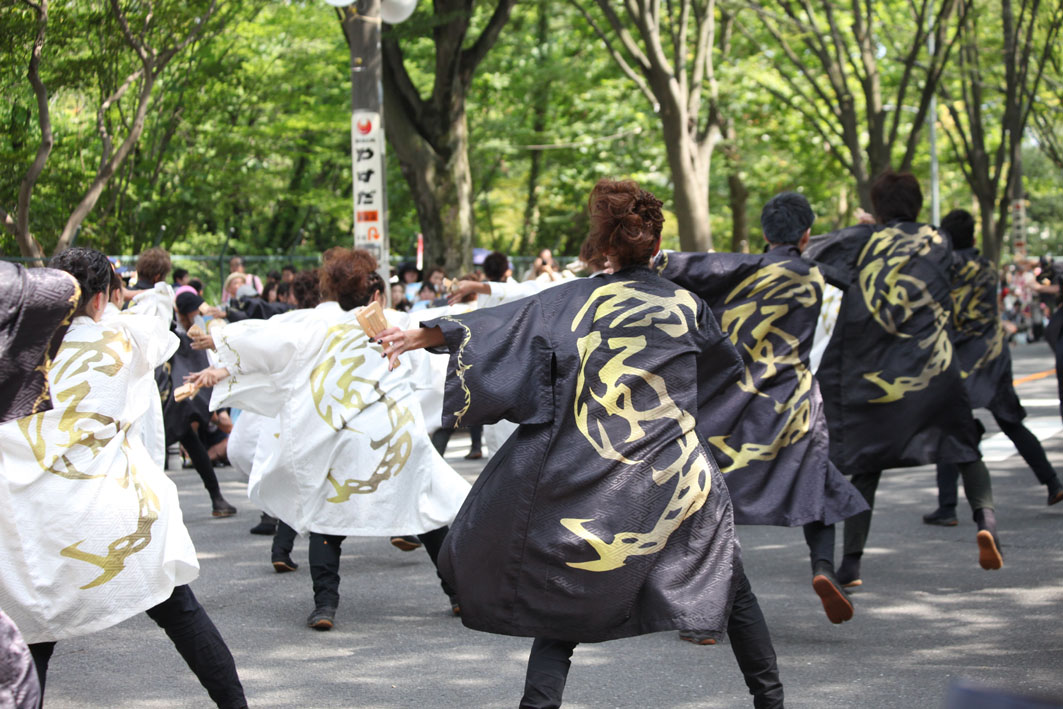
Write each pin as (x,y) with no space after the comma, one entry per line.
(91,532)
(353,457)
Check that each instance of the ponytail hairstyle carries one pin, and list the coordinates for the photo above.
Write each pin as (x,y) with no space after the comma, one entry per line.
(625,221)
(345,276)
(375,285)
(91,269)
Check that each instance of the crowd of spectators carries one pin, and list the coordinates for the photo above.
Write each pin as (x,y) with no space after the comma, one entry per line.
(1024,310)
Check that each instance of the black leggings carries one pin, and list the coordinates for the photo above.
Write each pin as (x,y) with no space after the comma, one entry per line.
(747,630)
(194,636)
(976,485)
(197,453)
(1025,442)
(325,564)
(441,437)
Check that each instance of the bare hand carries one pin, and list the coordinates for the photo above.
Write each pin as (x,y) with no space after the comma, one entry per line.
(202,341)
(397,341)
(207,377)
(463,289)
(863,217)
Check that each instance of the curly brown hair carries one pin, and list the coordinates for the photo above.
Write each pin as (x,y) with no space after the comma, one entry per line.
(345,276)
(626,222)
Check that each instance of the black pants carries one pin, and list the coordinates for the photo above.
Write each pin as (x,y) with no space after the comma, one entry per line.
(1054,335)
(283,541)
(976,485)
(747,630)
(1025,442)
(197,453)
(441,437)
(820,540)
(194,636)
(325,564)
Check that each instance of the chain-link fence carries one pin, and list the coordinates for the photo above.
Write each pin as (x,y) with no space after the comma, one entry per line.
(211,270)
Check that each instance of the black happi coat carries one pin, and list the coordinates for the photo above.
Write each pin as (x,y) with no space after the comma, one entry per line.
(981,347)
(768,433)
(892,389)
(603,516)
(179,415)
(36,306)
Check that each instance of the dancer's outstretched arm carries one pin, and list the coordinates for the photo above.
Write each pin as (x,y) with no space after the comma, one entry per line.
(397,341)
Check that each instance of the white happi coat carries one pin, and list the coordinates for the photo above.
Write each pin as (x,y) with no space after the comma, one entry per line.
(157,303)
(352,456)
(91,531)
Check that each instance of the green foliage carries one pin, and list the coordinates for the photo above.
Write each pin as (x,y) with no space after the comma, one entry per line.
(247,143)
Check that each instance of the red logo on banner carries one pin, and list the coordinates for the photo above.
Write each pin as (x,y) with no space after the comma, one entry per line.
(364,127)
(368,216)
(374,234)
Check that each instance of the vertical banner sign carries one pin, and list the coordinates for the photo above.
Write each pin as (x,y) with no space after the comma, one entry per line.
(420,251)
(1018,228)
(367,153)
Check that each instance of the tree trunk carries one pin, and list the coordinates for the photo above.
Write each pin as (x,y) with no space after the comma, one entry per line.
(739,197)
(107,169)
(991,240)
(20,225)
(689,164)
(540,106)
(441,187)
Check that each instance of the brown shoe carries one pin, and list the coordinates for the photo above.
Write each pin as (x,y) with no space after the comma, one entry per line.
(283,565)
(407,543)
(989,556)
(696,637)
(221,508)
(322,619)
(835,601)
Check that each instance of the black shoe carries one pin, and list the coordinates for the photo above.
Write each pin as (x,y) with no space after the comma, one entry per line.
(849,572)
(407,543)
(455,607)
(942,517)
(221,508)
(266,526)
(697,637)
(474,455)
(284,564)
(322,619)
(1055,491)
(836,603)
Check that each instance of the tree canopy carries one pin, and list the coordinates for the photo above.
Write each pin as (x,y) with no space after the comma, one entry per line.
(209,124)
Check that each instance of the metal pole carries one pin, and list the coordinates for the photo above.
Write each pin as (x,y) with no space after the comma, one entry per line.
(362,25)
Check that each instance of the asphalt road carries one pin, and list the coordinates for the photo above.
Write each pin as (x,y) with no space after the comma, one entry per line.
(925,616)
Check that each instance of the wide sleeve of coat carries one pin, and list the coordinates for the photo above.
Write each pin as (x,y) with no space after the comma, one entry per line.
(500,367)
(264,359)
(719,364)
(837,253)
(710,275)
(35,310)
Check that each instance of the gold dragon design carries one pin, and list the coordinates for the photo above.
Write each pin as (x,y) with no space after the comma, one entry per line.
(753,317)
(56,443)
(973,291)
(892,297)
(340,394)
(621,308)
